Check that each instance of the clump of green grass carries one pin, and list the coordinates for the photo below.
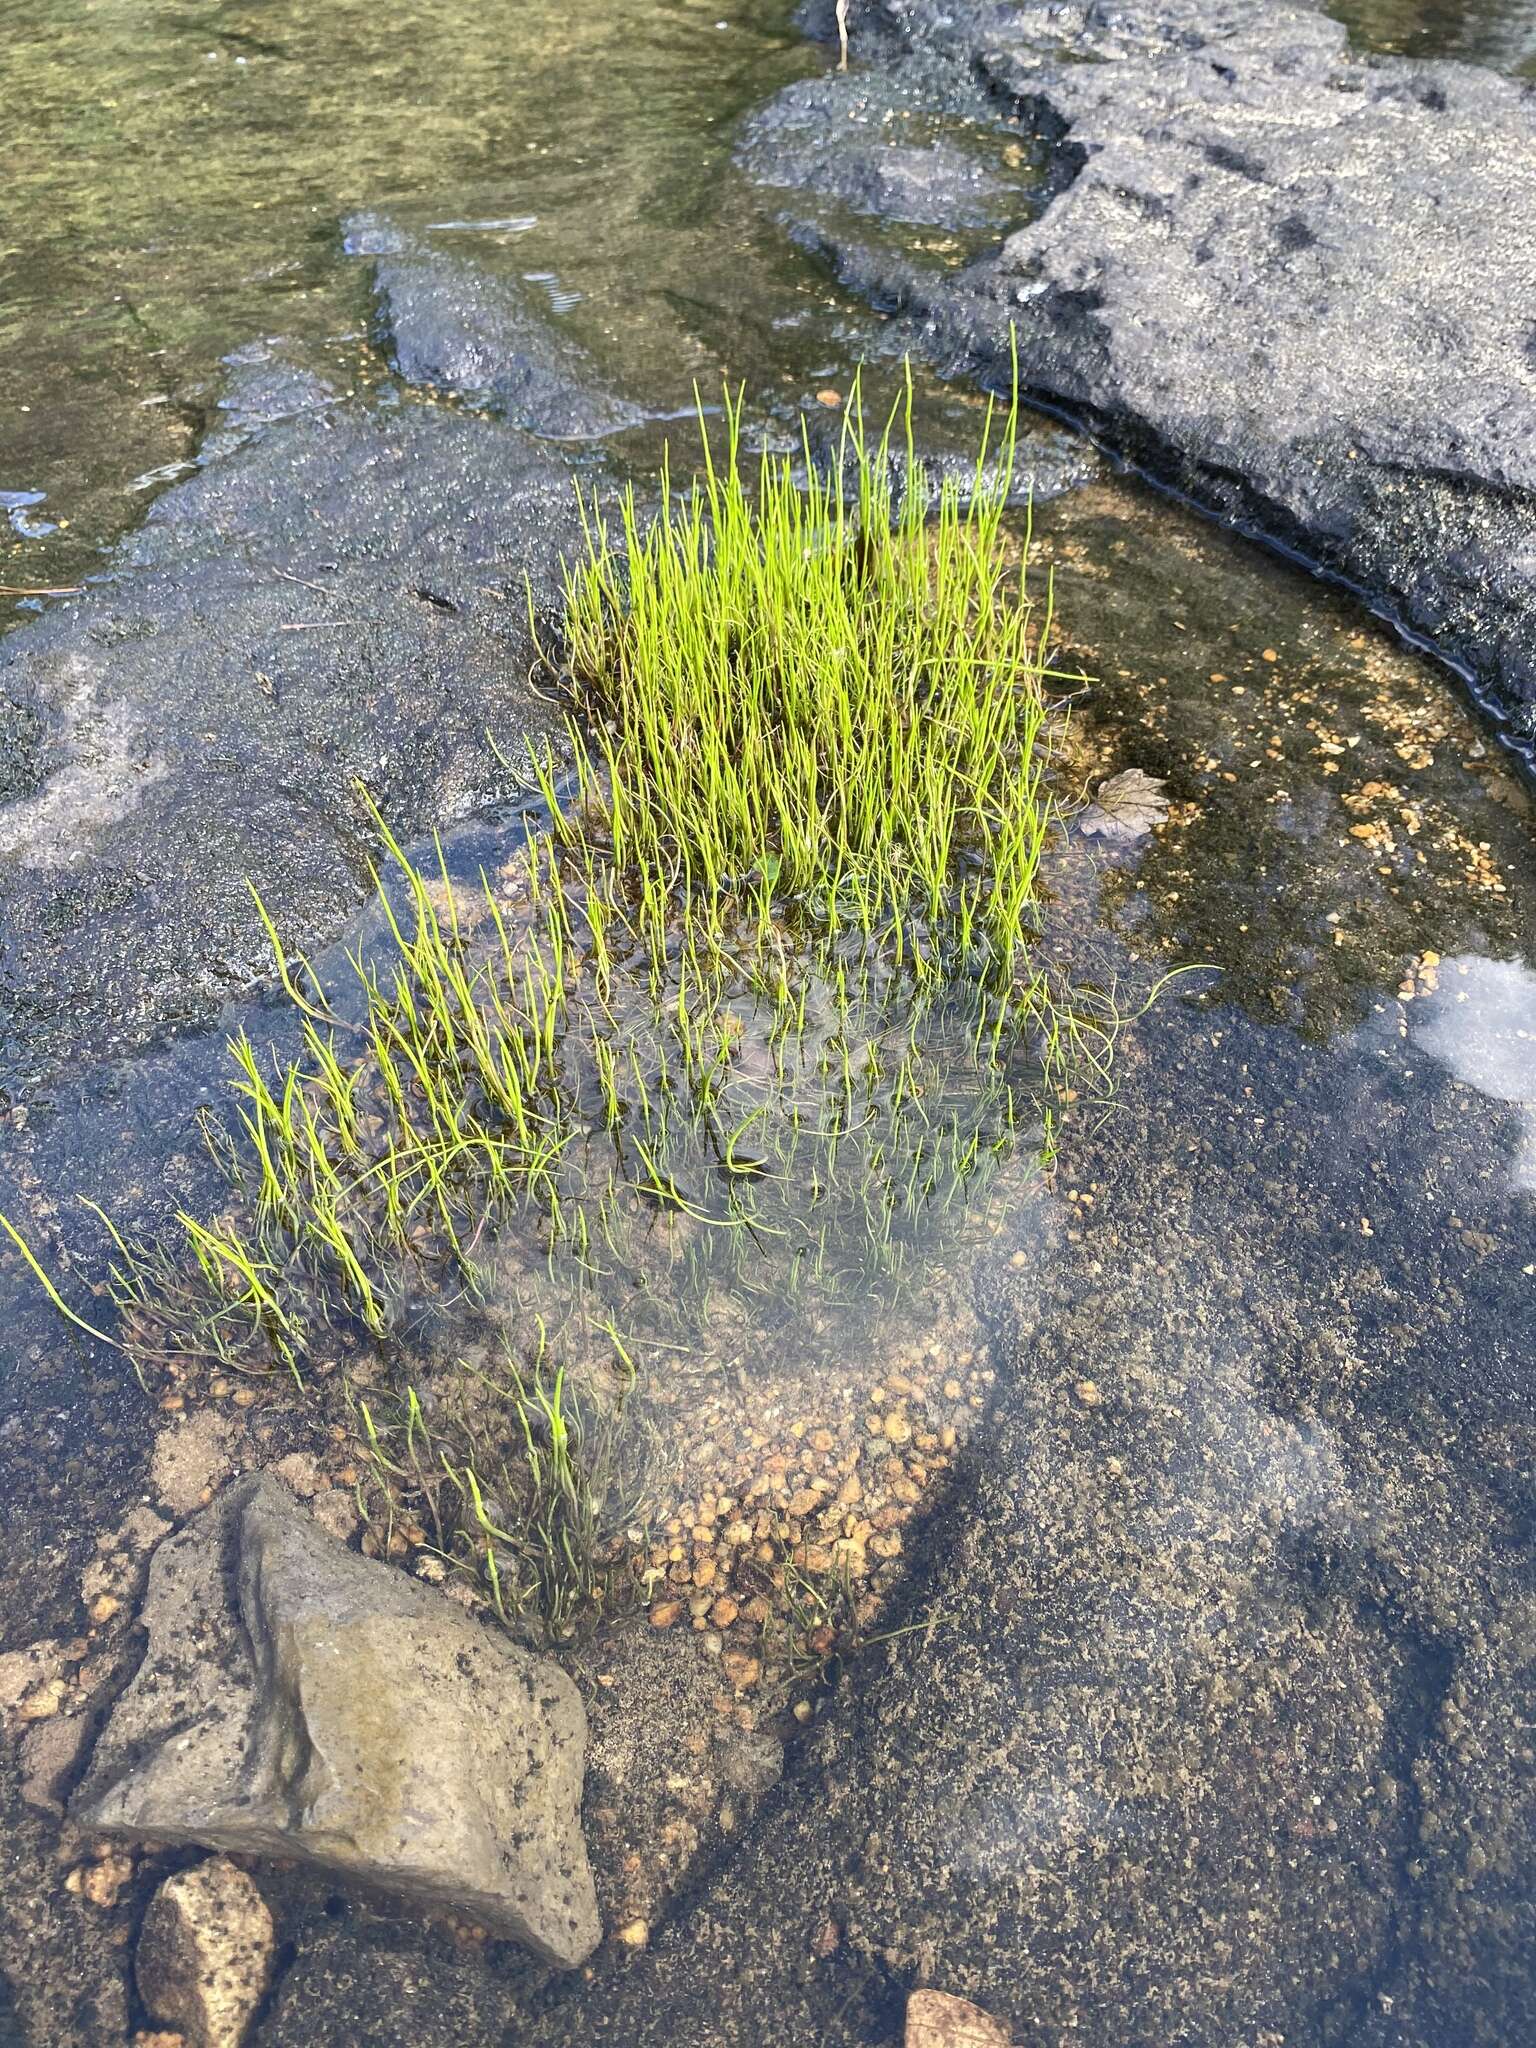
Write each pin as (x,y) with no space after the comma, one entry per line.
(762,1005)
(808,695)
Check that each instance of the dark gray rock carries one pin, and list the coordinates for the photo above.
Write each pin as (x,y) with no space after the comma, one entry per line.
(1293,282)
(453,326)
(297,1700)
(342,597)
(866,146)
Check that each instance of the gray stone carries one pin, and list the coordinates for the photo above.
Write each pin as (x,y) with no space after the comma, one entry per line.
(869,150)
(299,1700)
(341,598)
(455,326)
(1292,281)
(204,1958)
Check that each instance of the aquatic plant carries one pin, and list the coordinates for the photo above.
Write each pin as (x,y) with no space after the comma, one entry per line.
(817,694)
(760,1007)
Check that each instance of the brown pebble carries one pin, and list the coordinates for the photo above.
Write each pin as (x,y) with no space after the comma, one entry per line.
(665,1613)
(1087,1391)
(742,1668)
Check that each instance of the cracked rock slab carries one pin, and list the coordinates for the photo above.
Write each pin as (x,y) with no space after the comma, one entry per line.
(297,1700)
(1292,281)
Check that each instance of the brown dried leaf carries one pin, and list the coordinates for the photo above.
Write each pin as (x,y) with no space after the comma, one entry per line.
(1127,806)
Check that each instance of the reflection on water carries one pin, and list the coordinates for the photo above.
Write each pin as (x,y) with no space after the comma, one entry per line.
(175,181)
(1500,33)
(1480,1023)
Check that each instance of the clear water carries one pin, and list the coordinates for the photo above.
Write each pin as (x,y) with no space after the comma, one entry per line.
(1499,33)
(1280,1566)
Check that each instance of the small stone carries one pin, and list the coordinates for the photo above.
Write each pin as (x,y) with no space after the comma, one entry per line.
(103,1608)
(205,1953)
(1087,1391)
(742,1668)
(101,1881)
(634,1934)
(189,1458)
(49,1752)
(935,2020)
(22,1670)
(724,1611)
(896,1427)
(45,1701)
(336,1511)
(300,1474)
(665,1613)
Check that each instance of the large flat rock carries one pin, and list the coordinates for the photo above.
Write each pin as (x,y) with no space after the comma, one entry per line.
(1293,281)
(297,1700)
(337,595)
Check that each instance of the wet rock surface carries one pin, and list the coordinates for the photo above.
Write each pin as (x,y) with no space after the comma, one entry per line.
(453,326)
(871,153)
(1287,278)
(339,597)
(299,1701)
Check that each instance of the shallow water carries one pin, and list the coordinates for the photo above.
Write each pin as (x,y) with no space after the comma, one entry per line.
(1499,33)
(1279,1562)
(177,188)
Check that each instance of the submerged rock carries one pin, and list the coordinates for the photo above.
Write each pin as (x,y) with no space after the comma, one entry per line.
(341,598)
(297,1700)
(867,150)
(205,1954)
(454,326)
(1291,280)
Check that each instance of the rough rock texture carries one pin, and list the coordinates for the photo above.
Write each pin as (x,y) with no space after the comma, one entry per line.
(457,327)
(872,153)
(298,1700)
(204,1958)
(339,597)
(1293,281)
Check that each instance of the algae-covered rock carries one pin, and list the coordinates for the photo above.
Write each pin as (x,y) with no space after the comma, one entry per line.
(298,1700)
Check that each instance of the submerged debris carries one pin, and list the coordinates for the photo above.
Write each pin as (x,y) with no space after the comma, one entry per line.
(1127,807)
